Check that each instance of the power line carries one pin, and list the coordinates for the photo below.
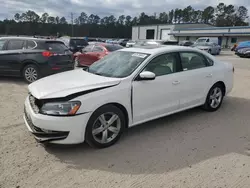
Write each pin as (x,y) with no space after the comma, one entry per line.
(72,24)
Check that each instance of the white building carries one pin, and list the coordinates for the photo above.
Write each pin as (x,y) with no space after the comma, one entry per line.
(227,35)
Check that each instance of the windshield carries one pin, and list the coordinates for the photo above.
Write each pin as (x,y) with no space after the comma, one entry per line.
(78,42)
(118,64)
(201,40)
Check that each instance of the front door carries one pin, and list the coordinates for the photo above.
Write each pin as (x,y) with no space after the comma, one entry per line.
(158,97)
(196,79)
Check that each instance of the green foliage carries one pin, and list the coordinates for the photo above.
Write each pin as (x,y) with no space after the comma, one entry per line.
(30,23)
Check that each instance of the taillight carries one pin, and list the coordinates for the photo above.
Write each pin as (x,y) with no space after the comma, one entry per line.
(47,53)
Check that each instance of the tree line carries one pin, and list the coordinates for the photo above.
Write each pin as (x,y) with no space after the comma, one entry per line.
(30,23)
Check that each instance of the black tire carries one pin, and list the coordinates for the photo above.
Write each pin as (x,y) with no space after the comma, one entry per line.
(208,104)
(209,51)
(89,137)
(36,72)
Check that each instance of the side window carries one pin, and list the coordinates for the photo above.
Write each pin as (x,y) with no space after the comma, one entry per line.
(97,49)
(2,43)
(30,44)
(163,64)
(192,60)
(210,62)
(15,45)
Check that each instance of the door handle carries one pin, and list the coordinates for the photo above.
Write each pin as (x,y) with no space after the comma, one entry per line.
(175,82)
(209,75)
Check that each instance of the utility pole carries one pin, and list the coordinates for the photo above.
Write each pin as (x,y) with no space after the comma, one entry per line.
(72,24)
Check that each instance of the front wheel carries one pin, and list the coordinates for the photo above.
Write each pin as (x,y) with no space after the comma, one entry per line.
(105,127)
(214,98)
(30,73)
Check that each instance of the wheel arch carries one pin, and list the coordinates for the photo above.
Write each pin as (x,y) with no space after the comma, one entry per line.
(223,86)
(122,108)
(25,63)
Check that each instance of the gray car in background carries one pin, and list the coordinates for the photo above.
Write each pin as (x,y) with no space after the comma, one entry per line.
(210,47)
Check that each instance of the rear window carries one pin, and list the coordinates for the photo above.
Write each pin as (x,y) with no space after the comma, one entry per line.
(112,48)
(56,46)
(78,42)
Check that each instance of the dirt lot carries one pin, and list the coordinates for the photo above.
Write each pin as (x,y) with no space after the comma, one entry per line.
(189,149)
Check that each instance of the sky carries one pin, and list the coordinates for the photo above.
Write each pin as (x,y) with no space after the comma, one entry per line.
(104,7)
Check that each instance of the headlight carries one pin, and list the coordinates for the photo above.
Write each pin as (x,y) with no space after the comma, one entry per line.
(61,108)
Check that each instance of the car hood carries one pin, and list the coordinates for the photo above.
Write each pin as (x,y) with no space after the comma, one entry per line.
(68,83)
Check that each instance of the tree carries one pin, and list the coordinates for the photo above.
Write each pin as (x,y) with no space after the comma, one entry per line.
(63,20)
(187,14)
(171,16)
(51,20)
(83,18)
(17,17)
(57,20)
(44,17)
(163,17)
(121,20)
(128,20)
(208,15)
(31,16)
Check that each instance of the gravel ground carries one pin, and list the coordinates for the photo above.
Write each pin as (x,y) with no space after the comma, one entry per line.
(188,149)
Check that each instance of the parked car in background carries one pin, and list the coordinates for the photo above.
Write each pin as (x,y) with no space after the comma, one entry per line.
(130,43)
(33,58)
(154,42)
(123,42)
(241,45)
(208,40)
(126,88)
(92,53)
(209,47)
(186,43)
(75,44)
(244,52)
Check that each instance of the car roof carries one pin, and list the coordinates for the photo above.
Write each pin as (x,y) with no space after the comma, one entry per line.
(30,38)
(153,49)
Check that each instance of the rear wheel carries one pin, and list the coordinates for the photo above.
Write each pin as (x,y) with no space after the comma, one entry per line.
(105,127)
(209,51)
(30,73)
(214,98)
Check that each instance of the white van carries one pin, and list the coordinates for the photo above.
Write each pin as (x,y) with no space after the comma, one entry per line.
(207,39)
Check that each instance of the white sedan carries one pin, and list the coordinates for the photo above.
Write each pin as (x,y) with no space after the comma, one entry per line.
(124,89)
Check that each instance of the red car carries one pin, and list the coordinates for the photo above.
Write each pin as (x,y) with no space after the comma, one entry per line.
(94,52)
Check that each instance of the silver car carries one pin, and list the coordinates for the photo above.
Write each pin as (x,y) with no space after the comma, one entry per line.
(210,47)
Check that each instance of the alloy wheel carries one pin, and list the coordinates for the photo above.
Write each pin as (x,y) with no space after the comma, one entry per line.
(215,97)
(106,127)
(31,74)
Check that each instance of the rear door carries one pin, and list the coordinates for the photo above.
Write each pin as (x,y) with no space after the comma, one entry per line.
(195,79)
(61,57)
(10,57)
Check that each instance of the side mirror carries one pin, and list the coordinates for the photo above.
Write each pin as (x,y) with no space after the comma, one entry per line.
(146,75)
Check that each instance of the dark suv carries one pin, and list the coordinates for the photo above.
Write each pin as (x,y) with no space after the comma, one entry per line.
(75,44)
(33,58)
